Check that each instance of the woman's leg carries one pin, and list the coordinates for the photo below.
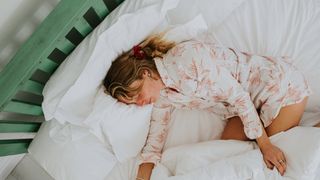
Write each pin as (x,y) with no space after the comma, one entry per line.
(289,117)
(234,130)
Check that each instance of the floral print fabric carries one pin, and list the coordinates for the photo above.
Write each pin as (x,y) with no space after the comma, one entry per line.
(225,82)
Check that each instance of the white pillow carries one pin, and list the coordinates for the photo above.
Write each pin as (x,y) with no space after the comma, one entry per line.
(72,99)
(74,64)
(126,127)
(69,152)
(301,146)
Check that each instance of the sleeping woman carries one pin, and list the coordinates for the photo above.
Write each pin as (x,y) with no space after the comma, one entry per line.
(259,96)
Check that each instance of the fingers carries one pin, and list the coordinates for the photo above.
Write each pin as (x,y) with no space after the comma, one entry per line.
(284,165)
(280,165)
(282,162)
(273,156)
(284,158)
(269,164)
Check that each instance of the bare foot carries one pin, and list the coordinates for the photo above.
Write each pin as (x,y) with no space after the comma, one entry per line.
(317,125)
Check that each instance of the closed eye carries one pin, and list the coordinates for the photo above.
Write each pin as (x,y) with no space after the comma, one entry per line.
(132,100)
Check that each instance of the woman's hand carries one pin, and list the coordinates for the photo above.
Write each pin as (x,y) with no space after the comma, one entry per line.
(144,172)
(272,155)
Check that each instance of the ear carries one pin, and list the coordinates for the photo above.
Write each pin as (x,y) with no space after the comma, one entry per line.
(146,73)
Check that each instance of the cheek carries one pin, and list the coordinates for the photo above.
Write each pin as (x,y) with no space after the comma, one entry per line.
(150,90)
(155,93)
(147,93)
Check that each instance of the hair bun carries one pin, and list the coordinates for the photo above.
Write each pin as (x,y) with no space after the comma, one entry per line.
(138,52)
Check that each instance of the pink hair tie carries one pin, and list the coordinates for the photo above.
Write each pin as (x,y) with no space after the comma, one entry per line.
(138,52)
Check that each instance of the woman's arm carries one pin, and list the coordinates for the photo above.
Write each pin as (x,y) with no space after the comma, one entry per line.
(145,170)
(151,153)
(272,155)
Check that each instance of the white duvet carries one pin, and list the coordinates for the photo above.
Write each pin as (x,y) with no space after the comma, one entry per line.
(234,160)
(71,152)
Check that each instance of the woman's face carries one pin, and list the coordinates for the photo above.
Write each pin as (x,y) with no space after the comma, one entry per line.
(150,91)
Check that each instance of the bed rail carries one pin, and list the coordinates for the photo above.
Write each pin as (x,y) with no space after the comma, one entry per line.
(23,78)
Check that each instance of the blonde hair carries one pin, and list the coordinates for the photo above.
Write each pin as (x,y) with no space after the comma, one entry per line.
(128,68)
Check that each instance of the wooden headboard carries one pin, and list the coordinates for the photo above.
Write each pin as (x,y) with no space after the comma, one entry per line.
(23,78)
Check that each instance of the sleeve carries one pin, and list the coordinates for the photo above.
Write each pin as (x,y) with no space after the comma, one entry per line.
(159,124)
(203,77)
(231,94)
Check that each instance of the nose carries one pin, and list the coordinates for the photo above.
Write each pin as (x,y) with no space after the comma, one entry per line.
(141,102)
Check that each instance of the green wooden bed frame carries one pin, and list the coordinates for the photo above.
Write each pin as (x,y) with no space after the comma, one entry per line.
(23,78)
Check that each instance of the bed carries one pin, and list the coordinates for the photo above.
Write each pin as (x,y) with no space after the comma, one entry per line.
(89,135)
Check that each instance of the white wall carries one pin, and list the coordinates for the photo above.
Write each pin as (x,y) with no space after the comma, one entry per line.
(18,19)
(7,8)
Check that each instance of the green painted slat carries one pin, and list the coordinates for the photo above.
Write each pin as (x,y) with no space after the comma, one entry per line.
(29,98)
(65,45)
(100,9)
(6,127)
(23,108)
(16,117)
(10,147)
(48,66)
(33,87)
(83,27)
